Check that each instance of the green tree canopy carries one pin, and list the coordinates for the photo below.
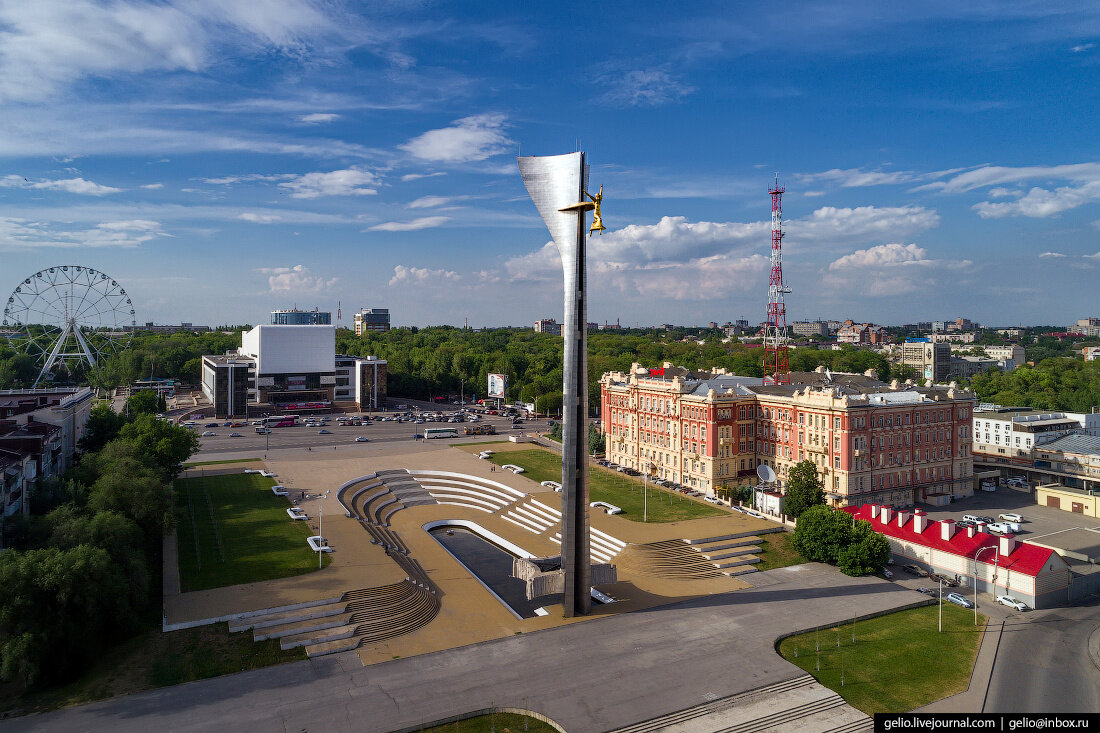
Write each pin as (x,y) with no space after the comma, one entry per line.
(822,533)
(143,402)
(804,489)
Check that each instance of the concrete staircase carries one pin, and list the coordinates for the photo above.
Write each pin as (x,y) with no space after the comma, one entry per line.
(799,705)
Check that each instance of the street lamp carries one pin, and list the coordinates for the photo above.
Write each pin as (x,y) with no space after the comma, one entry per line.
(996,559)
(320,525)
(941,603)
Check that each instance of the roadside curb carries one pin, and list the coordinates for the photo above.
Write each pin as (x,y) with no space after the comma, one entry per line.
(1094,647)
(992,665)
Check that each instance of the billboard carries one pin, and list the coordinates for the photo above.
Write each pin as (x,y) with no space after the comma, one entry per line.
(496,385)
(295,383)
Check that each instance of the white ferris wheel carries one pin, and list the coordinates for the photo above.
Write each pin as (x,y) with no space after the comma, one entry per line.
(68,314)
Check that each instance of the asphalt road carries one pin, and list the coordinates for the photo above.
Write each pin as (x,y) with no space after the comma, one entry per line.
(1043,664)
(304,437)
(592,676)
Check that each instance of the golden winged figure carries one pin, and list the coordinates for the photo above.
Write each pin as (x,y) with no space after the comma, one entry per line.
(597,219)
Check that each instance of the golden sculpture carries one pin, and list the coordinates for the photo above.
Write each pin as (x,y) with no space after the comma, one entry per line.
(597,219)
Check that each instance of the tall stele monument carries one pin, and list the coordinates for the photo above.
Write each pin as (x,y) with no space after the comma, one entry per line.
(557,185)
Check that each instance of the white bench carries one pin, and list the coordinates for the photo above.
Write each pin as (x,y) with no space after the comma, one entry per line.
(318,544)
(268,474)
(552,485)
(609,508)
(280,490)
(296,513)
(512,467)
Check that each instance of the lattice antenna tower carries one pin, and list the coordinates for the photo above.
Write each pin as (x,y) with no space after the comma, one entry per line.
(777,367)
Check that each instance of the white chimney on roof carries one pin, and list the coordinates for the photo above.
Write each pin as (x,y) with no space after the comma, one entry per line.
(947,529)
(1008,544)
(979,527)
(885,512)
(903,517)
(874,511)
(920,521)
(971,530)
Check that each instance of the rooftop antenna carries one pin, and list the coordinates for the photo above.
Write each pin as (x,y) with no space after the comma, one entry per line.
(339,315)
(777,368)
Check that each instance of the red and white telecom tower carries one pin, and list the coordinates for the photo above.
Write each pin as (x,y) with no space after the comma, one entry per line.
(777,367)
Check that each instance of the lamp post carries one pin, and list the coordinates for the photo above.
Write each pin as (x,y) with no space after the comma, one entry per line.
(996,554)
(941,605)
(320,525)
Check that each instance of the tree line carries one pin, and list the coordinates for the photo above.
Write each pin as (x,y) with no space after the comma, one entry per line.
(83,572)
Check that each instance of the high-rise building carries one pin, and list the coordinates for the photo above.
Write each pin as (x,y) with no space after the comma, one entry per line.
(295,317)
(548,325)
(871,441)
(931,360)
(372,320)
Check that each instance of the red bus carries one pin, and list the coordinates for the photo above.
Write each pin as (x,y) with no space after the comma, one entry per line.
(281,421)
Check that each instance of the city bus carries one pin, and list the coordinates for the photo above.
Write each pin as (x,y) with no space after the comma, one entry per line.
(281,421)
(440,433)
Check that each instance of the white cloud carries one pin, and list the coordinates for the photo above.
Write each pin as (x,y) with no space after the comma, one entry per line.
(642,88)
(295,279)
(1000,193)
(48,44)
(832,224)
(153,186)
(69,185)
(469,139)
(347,182)
(419,276)
(417,176)
(1082,47)
(852,177)
(18,232)
(318,118)
(879,256)
(992,175)
(424,222)
(1039,203)
(1093,256)
(430,202)
(259,218)
(247,177)
(1045,255)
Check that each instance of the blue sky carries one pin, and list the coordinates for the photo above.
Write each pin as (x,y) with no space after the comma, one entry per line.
(224,159)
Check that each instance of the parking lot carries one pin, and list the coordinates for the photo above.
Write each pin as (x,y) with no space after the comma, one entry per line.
(1038,520)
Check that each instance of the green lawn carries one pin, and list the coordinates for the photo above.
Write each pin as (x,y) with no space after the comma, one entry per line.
(153,659)
(615,488)
(251,537)
(898,662)
(776,551)
(494,723)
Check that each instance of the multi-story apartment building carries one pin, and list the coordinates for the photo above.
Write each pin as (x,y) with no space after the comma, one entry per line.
(1007,436)
(1071,460)
(998,351)
(810,328)
(1091,353)
(871,441)
(372,320)
(295,317)
(1087,327)
(548,325)
(930,360)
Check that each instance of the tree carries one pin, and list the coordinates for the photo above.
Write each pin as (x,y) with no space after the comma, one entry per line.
(867,553)
(164,445)
(142,403)
(595,440)
(104,425)
(804,489)
(822,533)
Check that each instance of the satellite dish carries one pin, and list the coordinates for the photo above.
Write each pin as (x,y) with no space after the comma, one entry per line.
(766,473)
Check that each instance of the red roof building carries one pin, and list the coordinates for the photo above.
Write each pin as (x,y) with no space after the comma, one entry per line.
(1038,576)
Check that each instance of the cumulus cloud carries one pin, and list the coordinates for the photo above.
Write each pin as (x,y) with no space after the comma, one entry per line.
(318,118)
(420,276)
(468,139)
(17,233)
(642,88)
(1039,203)
(347,182)
(47,44)
(153,186)
(295,279)
(878,256)
(259,218)
(1046,255)
(833,224)
(68,185)
(424,222)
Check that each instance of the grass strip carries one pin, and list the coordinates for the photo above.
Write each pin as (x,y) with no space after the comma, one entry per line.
(777,551)
(494,723)
(625,492)
(897,663)
(214,463)
(244,536)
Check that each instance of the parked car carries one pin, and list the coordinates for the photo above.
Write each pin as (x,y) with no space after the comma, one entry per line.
(361,439)
(208,434)
(998,528)
(926,591)
(227,423)
(1012,603)
(964,523)
(972,518)
(916,570)
(1017,481)
(211,425)
(1011,517)
(711,500)
(950,582)
(887,574)
(958,600)
(987,486)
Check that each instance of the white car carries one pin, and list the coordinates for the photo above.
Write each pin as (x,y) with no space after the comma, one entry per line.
(711,500)
(361,439)
(208,434)
(1012,603)
(1019,481)
(1002,528)
(1011,517)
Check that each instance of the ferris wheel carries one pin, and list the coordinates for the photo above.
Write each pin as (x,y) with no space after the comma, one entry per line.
(68,314)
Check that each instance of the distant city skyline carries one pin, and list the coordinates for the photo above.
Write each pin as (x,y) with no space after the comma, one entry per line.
(221,162)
